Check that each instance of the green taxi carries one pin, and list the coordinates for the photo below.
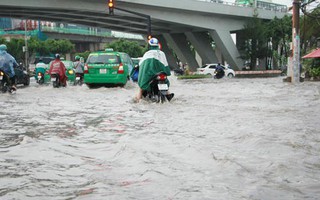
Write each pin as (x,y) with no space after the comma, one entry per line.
(107,67)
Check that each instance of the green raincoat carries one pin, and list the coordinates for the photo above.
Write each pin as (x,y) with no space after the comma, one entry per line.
(152,62)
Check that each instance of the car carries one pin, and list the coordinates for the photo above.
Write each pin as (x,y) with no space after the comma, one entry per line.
(209,69)
(107,68)
(22,77)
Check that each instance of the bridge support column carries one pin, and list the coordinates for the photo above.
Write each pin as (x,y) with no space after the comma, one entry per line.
(169,54)
(227,47)
(179,44)
(201,42)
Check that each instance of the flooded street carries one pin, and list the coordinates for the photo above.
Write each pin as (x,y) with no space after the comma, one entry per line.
(229,139)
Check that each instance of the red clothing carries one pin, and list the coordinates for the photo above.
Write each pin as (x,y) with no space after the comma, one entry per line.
(58,67)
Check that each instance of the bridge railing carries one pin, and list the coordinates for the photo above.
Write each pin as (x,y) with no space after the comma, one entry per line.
(258,4)
(76,31)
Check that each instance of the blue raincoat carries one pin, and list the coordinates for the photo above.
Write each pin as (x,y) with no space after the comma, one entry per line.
(7,62)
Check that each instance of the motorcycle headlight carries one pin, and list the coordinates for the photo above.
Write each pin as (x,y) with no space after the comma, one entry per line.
(70,71)
(1,73)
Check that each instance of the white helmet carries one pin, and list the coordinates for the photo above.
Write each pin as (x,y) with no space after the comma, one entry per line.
(153,42)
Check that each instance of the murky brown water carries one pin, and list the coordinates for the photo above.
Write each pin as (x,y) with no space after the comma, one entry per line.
(218,139)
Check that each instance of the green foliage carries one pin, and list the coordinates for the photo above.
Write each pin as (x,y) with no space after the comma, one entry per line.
(85,54)
(59,46)
(257,34)
(255,45)
(131,48)
(36,45)
(310,29)
(314,72)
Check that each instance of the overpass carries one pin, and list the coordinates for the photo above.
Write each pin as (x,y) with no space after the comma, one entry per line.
(174,23)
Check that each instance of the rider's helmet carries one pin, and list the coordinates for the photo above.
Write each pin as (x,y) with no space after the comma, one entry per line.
(77,58)
(3,47)
(57,56)
(153,42)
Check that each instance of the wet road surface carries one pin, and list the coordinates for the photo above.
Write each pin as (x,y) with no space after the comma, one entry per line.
(217,139)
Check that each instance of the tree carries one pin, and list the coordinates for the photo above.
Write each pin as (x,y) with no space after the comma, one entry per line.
(131,48)
(255,37)
(280,32)
(267,40)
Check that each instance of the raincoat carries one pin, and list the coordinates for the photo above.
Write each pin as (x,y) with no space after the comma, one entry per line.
(152,62)
(7,62)
(58,67)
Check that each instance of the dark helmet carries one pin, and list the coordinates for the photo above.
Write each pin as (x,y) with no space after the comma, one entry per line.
(57,56)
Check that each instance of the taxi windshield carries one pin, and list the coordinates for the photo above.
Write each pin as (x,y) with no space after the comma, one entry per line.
(103,59)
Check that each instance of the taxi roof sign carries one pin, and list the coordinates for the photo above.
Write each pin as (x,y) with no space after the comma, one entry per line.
(109,49)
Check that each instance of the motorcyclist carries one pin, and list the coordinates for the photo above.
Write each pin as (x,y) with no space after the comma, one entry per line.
(219,71)
(152,62)
(78,66)
(7,63)
(58,67)
(41,64)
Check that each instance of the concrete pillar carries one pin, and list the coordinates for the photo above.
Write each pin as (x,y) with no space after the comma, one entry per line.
(179,44)
(201,42)
(169,54)
(228,48)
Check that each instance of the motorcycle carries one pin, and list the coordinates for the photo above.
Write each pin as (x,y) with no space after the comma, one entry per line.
(159,88)
(79,79)
(178,72)
(218,73)
(5,83)
(41,76)
(55,79)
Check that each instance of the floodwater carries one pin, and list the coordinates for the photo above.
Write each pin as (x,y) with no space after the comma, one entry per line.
(229,139)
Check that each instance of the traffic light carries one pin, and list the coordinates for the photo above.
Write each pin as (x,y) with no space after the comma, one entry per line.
(111,7)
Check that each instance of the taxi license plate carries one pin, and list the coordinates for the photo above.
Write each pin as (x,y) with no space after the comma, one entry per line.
(53,79)
(77,78)
(103,71)
(163,87)
(1,77)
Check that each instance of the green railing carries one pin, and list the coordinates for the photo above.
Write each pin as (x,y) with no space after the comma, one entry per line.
(78,31)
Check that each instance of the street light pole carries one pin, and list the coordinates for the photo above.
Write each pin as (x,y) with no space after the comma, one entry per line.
(26,45)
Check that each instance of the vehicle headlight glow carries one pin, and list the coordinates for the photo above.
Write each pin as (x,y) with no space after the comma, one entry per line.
(70,71)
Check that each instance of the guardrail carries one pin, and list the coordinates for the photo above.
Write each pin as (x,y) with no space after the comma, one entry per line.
(259,4)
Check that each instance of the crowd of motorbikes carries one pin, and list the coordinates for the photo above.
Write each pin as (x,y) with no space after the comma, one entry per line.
(43,77)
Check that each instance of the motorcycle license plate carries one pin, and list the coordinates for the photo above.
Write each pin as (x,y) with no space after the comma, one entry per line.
(77,78)
(39,77)
(53,79)
(103,71)
(1,77)
(163,87)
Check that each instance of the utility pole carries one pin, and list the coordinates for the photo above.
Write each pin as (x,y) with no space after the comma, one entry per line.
(294,62)
(26,45)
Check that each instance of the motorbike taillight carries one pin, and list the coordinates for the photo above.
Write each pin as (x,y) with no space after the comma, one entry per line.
(161,77)
(39,74)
